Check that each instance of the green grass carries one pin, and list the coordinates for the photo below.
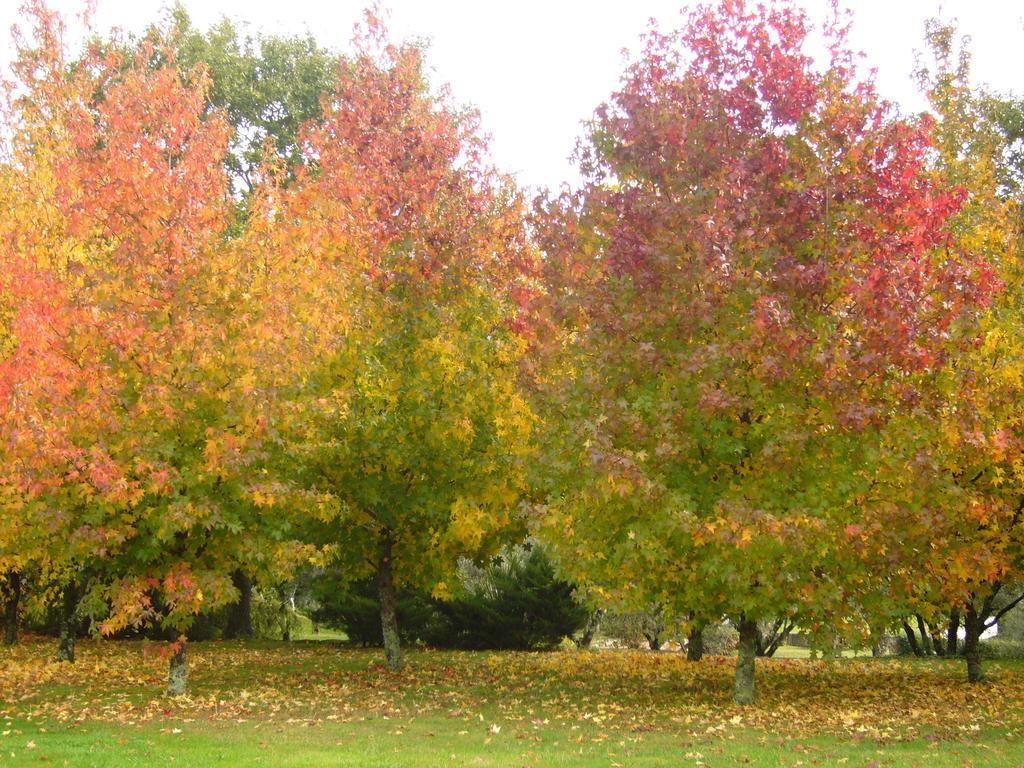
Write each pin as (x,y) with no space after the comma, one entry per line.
(433,741)
(325,634)
(303,630)
(796,652)
(320,704)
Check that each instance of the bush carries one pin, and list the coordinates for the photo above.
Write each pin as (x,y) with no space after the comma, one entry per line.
(273,617)
(355,610)
(514,603)
(623,628)
(636,628)
(1001,648)
(720,639)
(901,647)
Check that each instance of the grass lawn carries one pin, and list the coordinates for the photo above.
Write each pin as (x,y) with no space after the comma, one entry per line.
(795,652)
(313,704)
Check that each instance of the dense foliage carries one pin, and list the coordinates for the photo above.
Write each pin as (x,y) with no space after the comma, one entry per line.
(763,285)
(267,312)
(516,601)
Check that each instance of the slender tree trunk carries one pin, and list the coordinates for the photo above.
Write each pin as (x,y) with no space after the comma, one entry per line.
(177,671)
(388,612)
(936,639)
(951,632)
(11,608)
(780,633)
(743,687)
(239,624)
(68,624)
(695,643)
(285,620)
(926,640)
(974,625)
(912,639)
(653,641)
(590,629)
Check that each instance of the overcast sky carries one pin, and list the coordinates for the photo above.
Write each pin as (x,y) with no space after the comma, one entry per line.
(537,68)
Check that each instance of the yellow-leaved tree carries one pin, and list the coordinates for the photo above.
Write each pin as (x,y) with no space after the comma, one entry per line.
(393,262)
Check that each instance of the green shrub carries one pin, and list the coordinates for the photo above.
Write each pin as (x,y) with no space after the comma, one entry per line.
(516,602)
(720,639)
(638,628)
(1001,648)
(354,609)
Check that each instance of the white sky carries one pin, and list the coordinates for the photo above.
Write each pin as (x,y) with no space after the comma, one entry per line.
(537,68)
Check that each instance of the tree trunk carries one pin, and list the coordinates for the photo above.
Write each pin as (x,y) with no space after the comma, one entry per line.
(285,619)
(653,641)
(938,642)
(780,632)
(877,640)
(11,608)
(388,612)
(743,688)
(177,672)
(974,625)
(926,640)
(912,639)
(590,629)
(695,643)
(239,624)
(951,632)
(68,624)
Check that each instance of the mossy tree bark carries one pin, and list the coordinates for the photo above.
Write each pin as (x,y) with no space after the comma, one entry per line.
(743,684)
(877,642)
(388,611)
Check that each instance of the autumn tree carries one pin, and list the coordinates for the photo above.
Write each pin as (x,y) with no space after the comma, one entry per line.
(58,480)
(964,512)
(139,459)
(267,87)
(753,279)
(1006,114)
(393,261)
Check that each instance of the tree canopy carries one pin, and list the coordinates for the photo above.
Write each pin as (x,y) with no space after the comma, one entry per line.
(266,306)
